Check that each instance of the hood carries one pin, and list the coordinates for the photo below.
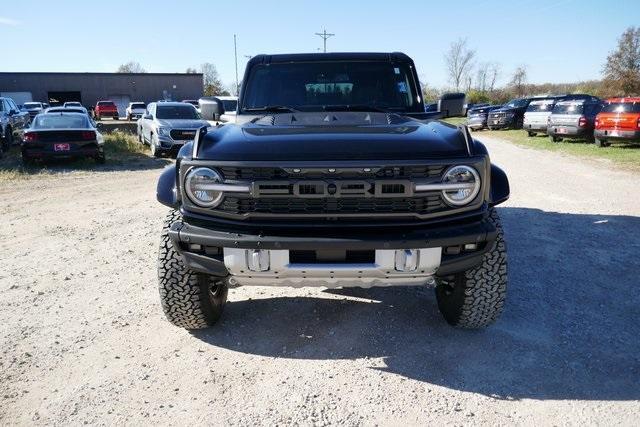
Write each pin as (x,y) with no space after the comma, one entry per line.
(182,124)
(333,136)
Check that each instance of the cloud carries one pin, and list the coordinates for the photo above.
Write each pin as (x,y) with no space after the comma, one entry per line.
(9,21)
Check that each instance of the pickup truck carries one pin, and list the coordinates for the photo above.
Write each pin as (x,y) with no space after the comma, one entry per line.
(13,121)
(332,176)
(106,109)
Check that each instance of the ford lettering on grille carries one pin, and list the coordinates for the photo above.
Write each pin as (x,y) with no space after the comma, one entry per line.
(329,189)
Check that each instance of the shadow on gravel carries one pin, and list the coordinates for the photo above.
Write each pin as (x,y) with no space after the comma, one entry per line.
(570,329)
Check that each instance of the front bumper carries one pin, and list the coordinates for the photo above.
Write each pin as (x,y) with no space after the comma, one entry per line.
(618,135)
(477,122)
(222,253)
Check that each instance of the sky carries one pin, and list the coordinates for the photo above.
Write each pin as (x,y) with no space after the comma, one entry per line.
(557,40)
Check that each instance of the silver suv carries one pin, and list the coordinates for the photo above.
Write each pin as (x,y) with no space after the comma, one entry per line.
(537,116)
(167,126)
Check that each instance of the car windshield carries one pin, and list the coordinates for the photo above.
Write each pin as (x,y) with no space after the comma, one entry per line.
(186,111)
(540,106)
(230,105)
(106,104)
(138,105)
(72,104)
(568,108)
(323,85)
(622,107)
(60,121)
(32,105)
(516,103)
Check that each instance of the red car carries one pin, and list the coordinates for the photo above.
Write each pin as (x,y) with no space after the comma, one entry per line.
(106,109)
(618,121)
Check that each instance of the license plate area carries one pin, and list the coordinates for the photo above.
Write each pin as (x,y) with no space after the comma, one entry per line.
(337,256)
(562,130)
(61,147)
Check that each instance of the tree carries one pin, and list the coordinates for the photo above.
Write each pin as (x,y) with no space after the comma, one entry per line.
(430,93)
(191,70)
(622,70)
(131,67)
(519,81)
(211,80)
(494,73)
(459,62)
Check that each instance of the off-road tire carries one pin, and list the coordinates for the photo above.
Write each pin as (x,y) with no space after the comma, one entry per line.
(475,298)
(189,300)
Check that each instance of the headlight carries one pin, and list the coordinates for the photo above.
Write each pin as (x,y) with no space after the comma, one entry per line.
(164,131)
(465,185)
(196,184)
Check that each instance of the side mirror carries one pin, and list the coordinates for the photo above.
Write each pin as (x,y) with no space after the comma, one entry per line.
(147,117)
(211,108)
(12,112)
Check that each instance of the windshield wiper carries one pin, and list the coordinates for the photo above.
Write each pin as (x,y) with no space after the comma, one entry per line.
(354,107)
(272,109)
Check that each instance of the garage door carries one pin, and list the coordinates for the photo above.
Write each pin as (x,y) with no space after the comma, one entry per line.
(18,97)
(122,102)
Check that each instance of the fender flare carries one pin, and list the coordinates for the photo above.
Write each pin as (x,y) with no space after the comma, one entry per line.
(166,191)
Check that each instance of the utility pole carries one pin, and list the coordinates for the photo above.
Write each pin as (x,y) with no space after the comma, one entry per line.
(325,36)
(235,52)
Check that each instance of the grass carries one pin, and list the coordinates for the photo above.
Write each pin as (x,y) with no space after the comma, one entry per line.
(625,156)
(120,149)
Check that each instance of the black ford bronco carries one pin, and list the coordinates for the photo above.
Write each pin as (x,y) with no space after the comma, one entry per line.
(332,176)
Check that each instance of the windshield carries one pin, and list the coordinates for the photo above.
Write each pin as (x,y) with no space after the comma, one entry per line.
(230,105)
(186,111)
(314,86)
(61,121)
(32,105)
(138,105)
(516,103)
(622,107)
(540,106)
(106,104)
(568,108)
(72,104)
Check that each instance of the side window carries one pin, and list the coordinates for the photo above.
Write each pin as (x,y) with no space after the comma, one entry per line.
(152,110)
(1,105)
(12,105)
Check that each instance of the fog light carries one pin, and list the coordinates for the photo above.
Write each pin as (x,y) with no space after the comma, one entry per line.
(452,250)
(407,259)
(470,247)
(257,259)
(195,247)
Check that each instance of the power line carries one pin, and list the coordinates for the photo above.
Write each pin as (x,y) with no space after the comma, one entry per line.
(325,36)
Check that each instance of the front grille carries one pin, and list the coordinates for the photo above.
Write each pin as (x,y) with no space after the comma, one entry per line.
(264,173)
(183,134)
(497,115)
(418,205)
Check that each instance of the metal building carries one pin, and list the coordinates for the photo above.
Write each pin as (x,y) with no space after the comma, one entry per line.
(88,88)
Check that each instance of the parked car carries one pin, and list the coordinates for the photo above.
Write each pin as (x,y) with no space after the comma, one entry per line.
(477,116)
(62,135)
(510,115)
(135,110)
(106,109)
(618,121)
(167,126)
(74,104)
(315,186)
(193,102)
(12,123)
(574,118)
(536,117)
(468,107)
(452,105)
(34,108)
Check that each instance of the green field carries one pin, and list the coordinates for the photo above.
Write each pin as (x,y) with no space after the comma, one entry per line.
(626,156)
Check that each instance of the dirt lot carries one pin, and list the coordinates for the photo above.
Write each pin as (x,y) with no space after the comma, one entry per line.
(83,339)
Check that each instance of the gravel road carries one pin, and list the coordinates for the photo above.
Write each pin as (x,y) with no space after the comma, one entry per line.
(83,338)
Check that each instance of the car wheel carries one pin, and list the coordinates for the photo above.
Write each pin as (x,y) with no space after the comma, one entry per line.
(8,139)
(475,298)
(554,139)
(155,151)
(601,143)
(116,118)
(189,300)
(140,138)
(531,134)
(100,159)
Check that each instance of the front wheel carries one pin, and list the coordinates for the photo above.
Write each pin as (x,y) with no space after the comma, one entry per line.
(155,152)
(189,300)
(475,299)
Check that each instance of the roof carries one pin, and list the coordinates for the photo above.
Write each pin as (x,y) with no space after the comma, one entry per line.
(334,56)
